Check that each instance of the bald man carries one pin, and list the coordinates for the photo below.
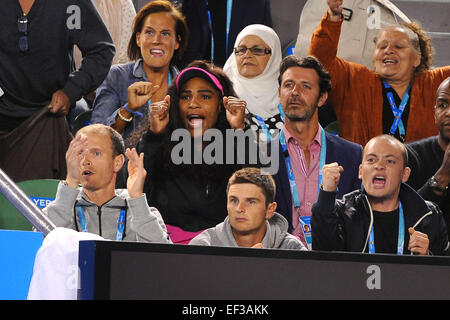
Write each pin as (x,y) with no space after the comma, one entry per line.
(429,159)
(385,216)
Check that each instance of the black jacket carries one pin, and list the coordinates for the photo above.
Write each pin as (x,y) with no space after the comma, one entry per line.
(424,158)
(344,225)
(191,197)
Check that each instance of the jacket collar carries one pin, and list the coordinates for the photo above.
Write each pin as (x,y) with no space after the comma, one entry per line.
(276,229)
(119,201)
(139,72)
(414,206)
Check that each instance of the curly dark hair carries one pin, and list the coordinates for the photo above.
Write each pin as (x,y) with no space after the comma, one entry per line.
(308,62)
(176,121)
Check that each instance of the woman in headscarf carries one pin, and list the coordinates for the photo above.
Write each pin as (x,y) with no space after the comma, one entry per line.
(254,68)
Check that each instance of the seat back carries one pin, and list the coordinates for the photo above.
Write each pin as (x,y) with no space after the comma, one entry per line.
(289,49)
(82,120)
(40,191)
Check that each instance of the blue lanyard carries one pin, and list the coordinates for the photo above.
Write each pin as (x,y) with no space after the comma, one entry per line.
(228,23)
(401,233)
(280,108)
(229,10)
(120,222)
(305,222)
(398,123)
(290,171)
(263,125)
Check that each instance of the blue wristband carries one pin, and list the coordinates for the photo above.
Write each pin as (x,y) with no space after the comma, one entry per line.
(132,112)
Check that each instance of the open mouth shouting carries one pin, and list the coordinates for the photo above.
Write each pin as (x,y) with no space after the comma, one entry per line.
(379,181)
(195,121)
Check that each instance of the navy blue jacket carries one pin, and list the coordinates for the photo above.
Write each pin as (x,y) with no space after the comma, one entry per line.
(347,154)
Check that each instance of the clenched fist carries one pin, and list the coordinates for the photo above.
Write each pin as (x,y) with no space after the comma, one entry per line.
(335,9)
(139,93)
(235,111)
(331,174)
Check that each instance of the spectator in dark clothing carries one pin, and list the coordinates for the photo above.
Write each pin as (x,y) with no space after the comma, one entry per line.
(37,67)
(385,216)
(36,61)
(202,16)
(187,188)
(429,158)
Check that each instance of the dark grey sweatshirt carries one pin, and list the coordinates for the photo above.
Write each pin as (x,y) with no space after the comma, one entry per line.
(276,236)
(143,223)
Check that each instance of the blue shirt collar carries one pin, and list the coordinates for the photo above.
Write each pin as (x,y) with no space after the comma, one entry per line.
(138,70)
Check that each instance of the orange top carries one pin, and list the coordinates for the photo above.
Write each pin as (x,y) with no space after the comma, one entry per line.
(357,94)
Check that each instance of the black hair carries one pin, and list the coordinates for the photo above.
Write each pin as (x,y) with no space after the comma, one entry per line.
(308,62)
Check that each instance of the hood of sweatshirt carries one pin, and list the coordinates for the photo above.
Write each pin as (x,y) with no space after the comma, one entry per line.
(277,227)
(118,201)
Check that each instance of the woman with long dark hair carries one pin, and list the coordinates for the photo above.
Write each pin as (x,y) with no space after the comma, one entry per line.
(190,190)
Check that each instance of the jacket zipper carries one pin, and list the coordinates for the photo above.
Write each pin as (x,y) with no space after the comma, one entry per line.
(99,213)
(370,224)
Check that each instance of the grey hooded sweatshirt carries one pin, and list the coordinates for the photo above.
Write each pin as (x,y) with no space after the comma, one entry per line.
(276,236)
(143,223)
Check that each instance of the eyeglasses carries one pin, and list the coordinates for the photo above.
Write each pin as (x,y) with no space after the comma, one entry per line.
(22,25)
(257,51)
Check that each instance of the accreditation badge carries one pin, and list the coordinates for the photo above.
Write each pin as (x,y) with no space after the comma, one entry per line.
(305,222)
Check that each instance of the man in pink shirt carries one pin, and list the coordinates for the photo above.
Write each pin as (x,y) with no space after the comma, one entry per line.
(305,147)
